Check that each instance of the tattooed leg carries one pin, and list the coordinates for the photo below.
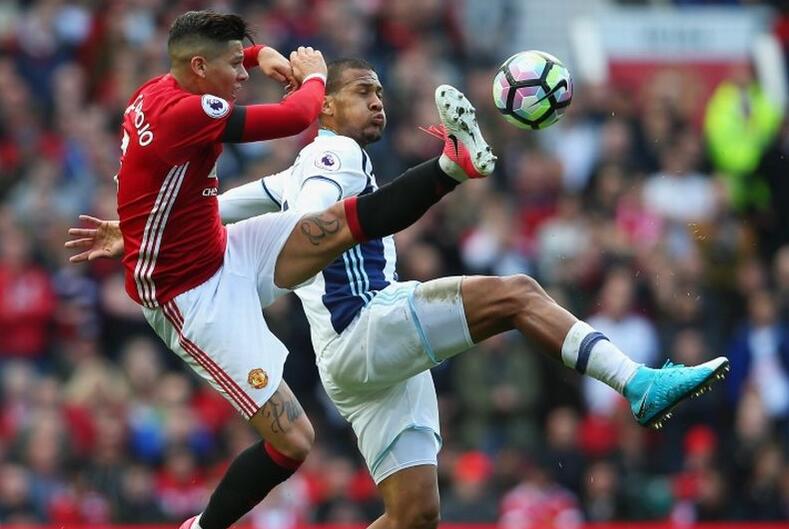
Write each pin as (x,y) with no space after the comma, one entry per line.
(282,411)
(283,423)
(318,227)
(317,240)
(261,467)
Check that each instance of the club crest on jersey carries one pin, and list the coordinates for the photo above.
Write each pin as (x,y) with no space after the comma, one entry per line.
(214,106)
(258,378)
(328,161)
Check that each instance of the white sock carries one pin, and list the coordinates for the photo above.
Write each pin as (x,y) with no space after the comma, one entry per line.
(589,352)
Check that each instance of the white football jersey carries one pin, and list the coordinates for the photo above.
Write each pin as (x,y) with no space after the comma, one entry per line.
(335,296)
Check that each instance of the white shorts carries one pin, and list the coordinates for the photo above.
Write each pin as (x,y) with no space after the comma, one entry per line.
(377,371)
(218,327)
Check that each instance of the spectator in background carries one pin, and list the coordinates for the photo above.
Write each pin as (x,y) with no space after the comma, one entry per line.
(561,241)
(563,449)
(759,354)
(470,499)
(762,490)
(781,279)
(27,300)
(181,486)
(137,502)
(16,505)
(538,501)
(739,124)
(336,504)
(618,320)
(773,224)
(601,498)
(499,387)
(677,192)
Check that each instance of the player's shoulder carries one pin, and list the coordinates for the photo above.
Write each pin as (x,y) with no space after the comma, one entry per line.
(165,93)
(333,153)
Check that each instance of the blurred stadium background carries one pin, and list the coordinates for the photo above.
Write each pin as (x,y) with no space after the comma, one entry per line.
(657,209)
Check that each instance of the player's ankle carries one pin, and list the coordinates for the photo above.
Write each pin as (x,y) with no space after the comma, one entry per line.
(452,169)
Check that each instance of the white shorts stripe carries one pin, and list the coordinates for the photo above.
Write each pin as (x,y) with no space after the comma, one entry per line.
(222,378)
(244,402)
(240,396)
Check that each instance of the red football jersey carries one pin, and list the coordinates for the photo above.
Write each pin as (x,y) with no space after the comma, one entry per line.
(167,188)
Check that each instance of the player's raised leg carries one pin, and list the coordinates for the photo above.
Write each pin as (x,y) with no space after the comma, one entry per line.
(496,304)
(321,237)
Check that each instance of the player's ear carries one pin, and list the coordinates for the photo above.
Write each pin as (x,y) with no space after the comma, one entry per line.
(199,66)
(328,106)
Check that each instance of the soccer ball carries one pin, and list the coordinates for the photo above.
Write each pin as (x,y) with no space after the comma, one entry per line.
(532,89)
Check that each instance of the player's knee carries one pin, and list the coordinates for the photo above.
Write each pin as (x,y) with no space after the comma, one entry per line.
(304,442)
(299,441)
(521,293)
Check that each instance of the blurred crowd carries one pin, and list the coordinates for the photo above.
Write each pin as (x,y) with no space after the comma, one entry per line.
(659,218)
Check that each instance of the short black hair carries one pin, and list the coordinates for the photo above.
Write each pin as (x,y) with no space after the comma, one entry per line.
(336,67)
(196,30)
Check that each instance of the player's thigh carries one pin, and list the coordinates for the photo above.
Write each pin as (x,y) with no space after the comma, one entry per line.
(491,302)
(406,329)
(439,311)
(379,418)
(282,422)
(218,329)
(252,249)
(316,240)
(411,494)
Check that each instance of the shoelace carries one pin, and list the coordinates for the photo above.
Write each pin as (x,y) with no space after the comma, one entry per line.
(437,131)
(670,364)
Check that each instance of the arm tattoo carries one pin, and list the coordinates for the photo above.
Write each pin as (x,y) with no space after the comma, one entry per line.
(318,227)
(282,412)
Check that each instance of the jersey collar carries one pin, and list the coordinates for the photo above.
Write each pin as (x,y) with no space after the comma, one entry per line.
(326,132)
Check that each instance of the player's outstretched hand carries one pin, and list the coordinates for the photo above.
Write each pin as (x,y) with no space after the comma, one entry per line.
(306,61)
(276,66)
(102,239)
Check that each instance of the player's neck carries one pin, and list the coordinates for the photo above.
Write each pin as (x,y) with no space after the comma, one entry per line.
(331,128)
(185,81)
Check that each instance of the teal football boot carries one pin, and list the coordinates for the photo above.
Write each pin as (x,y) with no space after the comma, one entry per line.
(653,393)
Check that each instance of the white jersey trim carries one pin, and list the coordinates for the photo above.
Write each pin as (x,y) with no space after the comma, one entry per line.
(153,234)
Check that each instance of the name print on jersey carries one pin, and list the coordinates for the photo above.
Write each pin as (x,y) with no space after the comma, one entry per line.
(144,135)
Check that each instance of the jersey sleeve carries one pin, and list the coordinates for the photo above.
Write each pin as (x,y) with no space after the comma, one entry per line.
(252,199)
(192,122)
(251,55)
(316,194)
(340,162)
(267,121)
